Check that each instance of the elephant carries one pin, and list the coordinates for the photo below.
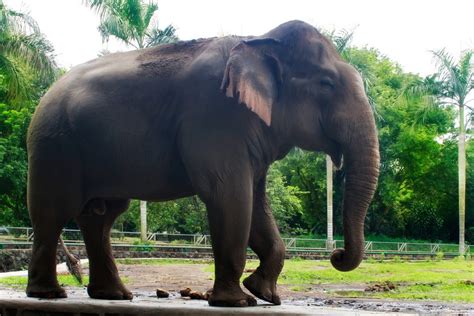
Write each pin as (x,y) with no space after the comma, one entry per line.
(203,117)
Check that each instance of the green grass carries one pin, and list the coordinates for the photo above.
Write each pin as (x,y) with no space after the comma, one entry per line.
(437,280)
(321,272)
(443,280)
(20,282)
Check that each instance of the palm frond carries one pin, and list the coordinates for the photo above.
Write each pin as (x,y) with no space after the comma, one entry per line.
(132,12)
(16,82)
(156,36)
(150,10)
(129,21)
(457,78)
(341,39)
(114,26)
(103,7)
(22,22)
(33,49)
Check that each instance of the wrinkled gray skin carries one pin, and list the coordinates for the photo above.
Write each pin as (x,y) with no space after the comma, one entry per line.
(203,117)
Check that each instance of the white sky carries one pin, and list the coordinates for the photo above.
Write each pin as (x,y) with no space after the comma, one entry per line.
(403,30)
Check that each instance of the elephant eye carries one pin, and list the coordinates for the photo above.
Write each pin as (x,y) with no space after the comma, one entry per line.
(327,83)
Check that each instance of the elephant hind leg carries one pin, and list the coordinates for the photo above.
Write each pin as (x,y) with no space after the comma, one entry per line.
(54,198)
(104,282)
(42,281)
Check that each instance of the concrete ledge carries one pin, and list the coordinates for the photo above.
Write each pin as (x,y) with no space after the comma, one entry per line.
(152,306)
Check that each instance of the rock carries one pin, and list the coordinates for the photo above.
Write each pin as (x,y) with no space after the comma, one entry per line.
(381,287)
(162,293)
(195,295)
(185,292)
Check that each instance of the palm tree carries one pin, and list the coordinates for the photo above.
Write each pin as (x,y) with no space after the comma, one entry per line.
(21,42)
(131,21)
(455,81)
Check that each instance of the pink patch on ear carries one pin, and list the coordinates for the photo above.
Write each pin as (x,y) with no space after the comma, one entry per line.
(254,101)
(239,85)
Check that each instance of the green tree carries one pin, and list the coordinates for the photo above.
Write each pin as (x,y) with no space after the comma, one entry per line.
(305,172)
(186,215)
(451,86)
(23,45)
(13,165)
(131,21)
(457,81)
(27,67)
(285,202)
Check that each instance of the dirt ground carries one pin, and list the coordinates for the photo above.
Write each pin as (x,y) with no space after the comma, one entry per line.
(145,279)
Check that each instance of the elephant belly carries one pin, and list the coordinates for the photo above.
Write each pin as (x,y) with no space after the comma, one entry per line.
(147,169)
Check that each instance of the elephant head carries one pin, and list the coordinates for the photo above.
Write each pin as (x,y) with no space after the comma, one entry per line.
(296,82)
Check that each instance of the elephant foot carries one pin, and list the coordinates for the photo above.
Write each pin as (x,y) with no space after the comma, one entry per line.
(229,299)
(262,288)
(109,292)
(46,292)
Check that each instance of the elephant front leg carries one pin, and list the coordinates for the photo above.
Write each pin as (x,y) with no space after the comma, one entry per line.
(266,242)
(229,213)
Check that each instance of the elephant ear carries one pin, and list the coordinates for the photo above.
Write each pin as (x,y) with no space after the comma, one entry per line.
(253,76)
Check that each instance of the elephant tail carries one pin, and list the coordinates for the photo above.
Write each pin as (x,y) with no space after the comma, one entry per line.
(73,264)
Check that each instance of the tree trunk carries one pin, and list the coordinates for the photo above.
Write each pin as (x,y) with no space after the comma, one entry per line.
(462,178)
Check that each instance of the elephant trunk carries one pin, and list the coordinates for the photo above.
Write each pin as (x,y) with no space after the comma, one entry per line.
(361,159)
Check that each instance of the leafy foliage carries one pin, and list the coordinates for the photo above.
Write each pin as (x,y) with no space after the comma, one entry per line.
(21,43)
(13,167)
(27,68)
(131,21)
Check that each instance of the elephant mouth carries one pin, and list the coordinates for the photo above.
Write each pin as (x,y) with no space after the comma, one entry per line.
(336,154)
(332,148)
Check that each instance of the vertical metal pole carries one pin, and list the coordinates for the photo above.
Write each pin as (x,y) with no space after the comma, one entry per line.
(143,227)
(329,190)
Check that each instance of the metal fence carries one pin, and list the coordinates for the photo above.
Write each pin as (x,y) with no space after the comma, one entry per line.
(24,236)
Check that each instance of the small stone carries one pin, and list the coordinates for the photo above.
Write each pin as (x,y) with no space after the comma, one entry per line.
(195,295)
(185,292)
(162,293)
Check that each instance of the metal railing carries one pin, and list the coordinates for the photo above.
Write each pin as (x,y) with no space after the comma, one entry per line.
(24,236)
